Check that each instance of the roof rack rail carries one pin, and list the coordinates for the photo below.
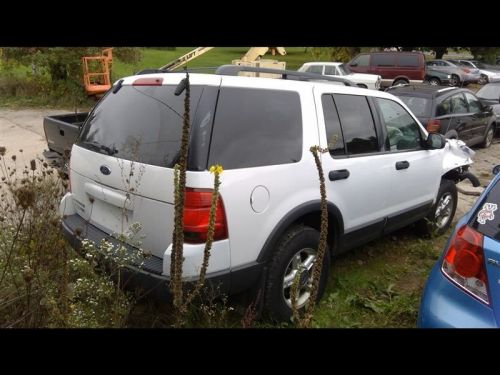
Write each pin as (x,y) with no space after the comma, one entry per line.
(189,70)
(233,70)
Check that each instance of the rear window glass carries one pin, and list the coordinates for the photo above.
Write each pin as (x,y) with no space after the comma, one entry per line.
(256,127)
(486,219)
(144,124)
(421,107)
(408,60)
(383,60)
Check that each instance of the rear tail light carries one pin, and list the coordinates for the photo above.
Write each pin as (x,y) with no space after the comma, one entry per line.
(433,126)
(196,215)
(464,264)
(148,82)
(466,70)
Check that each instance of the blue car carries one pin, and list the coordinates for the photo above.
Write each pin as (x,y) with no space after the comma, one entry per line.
(463,289)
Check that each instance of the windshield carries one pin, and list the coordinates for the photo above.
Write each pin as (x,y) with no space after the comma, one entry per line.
(344,70)
(489,92)
(421,107)
(144,124)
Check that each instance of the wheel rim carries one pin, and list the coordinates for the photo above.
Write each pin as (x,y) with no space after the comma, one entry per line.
(443,210)
(489,137)
(433,82)
(302,262)
(483,79)
(454,81)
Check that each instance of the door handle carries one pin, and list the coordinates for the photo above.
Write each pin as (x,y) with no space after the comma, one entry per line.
(340,174)
(402,165)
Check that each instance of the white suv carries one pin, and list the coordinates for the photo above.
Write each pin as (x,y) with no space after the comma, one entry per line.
(383,172)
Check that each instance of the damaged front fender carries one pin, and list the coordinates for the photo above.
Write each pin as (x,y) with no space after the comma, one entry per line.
(457,158)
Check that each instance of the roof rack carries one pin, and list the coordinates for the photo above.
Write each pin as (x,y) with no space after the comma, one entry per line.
(233,70)
(189,70)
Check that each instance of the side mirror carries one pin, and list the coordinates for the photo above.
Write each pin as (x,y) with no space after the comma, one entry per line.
(496,169)
(435,141)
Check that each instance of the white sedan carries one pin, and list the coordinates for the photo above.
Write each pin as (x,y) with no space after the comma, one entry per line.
(370,81)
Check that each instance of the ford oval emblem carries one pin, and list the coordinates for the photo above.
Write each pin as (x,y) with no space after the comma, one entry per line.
(105,170)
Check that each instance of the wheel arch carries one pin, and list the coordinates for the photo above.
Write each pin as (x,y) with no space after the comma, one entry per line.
(309,214)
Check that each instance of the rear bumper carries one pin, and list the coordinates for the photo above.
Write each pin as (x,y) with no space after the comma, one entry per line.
(149,275)
(444,305)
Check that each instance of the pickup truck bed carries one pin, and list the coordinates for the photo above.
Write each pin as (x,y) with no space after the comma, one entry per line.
(61,131)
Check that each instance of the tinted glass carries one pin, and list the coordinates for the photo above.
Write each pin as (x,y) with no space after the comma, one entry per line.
(403,133)
(421,107)
(332,124)
(474,105)
(255,127)
(383,60)
(362,60)
(144,123)
(444,108)
(330,70)
(357,124)
(315,69)
(409,60)
(458,104)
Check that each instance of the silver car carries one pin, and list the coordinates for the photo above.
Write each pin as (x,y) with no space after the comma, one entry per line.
(460,75)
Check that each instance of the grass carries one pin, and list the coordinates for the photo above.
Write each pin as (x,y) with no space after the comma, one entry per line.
(379,284)
(155,58)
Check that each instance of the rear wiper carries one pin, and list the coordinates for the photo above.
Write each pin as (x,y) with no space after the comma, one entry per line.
(109,150)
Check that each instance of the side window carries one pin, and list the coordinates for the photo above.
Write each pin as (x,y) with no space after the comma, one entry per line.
(362,60)
(408,60)
(474,105)
(403,133)
(330,70)
(444,108)
(332,126)
(256,127)
(458,104)
(382,59)
(315,69)
(357,124)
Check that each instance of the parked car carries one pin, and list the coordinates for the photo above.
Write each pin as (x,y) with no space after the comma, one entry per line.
(460,76)
(489,94)
(463,289)
(487,74)
(436,78)
(394,67)
(384,172)
(369,81)
(451,111)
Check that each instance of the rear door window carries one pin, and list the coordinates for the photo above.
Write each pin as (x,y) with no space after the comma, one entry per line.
(334,135)
(409,60)
(358,127)
(474,105)
(458,104)
(256,127)
(383,59)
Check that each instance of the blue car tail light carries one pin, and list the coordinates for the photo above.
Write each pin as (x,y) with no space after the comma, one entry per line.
(463,263)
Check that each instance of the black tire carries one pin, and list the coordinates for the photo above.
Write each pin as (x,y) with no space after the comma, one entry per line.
(437,222)
(300,240)
(483,79)
(455,80)
(488,137)
(434,81)
(400,81)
